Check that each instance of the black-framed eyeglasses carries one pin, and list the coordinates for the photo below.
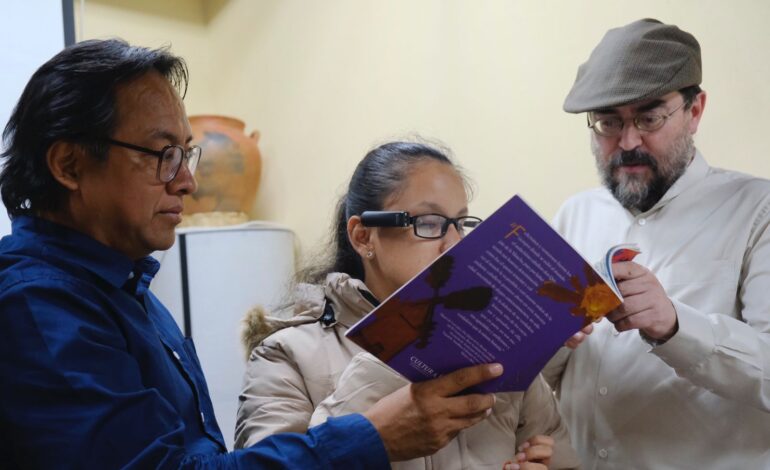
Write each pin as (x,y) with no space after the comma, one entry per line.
(169,157)
(430,226)
(612,126)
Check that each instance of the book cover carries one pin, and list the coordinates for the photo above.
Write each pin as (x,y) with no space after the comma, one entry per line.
(512,291)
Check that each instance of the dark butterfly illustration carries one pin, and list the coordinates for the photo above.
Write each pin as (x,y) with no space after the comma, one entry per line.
(401,323)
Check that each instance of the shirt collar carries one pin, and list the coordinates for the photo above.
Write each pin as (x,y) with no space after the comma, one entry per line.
(56,241)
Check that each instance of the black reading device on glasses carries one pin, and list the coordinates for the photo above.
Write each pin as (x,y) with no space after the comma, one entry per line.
(385,219)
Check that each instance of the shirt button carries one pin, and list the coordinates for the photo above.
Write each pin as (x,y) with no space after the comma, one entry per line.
(603,453)
(131,275)
(615,332)
(203,418)
(603,391)
(176,355)
(641,221)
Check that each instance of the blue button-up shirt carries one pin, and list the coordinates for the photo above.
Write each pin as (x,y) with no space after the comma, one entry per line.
(94,372)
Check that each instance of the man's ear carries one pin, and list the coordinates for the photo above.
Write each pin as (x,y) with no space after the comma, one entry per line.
(696,111)
(64,163)
(359,236)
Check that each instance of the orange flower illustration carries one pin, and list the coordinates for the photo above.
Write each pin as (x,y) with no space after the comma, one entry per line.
(592,302)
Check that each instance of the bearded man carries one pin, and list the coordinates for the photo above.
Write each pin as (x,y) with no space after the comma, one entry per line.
(679,375)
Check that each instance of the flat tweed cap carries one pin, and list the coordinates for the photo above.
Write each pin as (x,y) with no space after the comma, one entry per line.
(642,60)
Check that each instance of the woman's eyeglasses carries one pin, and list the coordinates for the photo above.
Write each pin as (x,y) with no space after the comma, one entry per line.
(430,226)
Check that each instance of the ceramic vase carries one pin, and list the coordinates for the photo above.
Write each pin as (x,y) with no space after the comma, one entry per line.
(230,166)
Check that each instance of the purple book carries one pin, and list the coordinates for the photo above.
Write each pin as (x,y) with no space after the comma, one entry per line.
(512,291)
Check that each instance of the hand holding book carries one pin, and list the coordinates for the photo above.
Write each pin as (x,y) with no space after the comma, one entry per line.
(616,254)
(646,306)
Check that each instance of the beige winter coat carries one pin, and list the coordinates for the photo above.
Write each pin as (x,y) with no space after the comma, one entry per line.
(293,372)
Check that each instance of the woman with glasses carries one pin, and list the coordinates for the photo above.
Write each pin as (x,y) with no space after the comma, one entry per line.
(406,204)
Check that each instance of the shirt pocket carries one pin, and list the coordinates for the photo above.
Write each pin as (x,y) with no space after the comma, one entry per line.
(710,286)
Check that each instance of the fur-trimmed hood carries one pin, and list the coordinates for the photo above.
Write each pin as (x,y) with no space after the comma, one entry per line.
(310,300)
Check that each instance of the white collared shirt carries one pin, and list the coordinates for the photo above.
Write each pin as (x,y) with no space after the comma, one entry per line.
(702,399)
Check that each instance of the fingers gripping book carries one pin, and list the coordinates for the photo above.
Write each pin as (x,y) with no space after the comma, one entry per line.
(512,291)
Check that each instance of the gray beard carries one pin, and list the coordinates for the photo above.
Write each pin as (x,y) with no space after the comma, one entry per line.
(634,192)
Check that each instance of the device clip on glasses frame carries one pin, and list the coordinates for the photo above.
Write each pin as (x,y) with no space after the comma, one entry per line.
(385,219)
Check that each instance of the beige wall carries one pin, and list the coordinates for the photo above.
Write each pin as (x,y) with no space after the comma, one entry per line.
(323,81)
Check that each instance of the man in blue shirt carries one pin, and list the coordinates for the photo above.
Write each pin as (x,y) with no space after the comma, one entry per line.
(94,371)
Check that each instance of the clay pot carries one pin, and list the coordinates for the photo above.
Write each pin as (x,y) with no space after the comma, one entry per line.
(229,169)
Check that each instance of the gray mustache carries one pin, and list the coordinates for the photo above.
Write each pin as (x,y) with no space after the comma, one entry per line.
(633,157)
